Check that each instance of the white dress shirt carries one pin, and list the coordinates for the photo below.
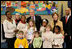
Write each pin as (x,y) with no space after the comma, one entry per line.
(34,18)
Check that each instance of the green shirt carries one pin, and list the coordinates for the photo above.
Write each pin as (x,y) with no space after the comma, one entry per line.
(37,42)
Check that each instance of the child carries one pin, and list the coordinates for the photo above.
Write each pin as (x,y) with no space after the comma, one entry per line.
(21,42)
(58,38)
(44,24)
(31,28)
(37,42)
(22,26)
(47,37)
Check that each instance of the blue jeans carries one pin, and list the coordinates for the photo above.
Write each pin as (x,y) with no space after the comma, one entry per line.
(30,45)
(4,45)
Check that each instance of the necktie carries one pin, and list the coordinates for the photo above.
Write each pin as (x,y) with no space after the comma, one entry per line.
(33,18)
(66,19)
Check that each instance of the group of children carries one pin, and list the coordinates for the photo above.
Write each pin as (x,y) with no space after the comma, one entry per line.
(28,36)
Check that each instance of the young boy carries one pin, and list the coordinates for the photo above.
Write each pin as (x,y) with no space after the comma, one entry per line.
(21,41)
(37,42)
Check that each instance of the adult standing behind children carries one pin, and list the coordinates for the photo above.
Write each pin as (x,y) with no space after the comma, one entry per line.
(9,29)
(67,27)
(17,16)
(56,21)
(37,19)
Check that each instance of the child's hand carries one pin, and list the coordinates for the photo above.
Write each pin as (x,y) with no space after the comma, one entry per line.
(57,45)
(46,38)
(30,42)
(70,37)
(25,33)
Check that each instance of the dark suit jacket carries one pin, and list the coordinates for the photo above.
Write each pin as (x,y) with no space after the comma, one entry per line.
(67,27)
(38,21)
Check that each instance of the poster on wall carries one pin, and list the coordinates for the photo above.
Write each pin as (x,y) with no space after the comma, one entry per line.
(40,7)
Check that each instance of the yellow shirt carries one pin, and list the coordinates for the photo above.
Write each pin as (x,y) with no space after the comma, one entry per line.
(22,42)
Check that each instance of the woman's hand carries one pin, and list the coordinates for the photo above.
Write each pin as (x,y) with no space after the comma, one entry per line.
(16,30)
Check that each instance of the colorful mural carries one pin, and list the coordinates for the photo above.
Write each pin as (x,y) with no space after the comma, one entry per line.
(23,7)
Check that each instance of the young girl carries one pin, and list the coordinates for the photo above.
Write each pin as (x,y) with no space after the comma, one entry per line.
(47,37)
(58,38)
(22,26)
(21,41)
(44,24)
(31,28)
(37,42)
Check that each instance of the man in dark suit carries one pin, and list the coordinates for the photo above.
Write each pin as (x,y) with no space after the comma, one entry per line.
(67,27)
(37,19)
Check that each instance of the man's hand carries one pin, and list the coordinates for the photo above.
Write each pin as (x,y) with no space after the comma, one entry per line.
(66,34)
(70,37)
